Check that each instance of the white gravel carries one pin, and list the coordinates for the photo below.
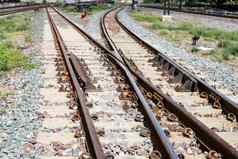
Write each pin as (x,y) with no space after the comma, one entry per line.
(220,75)
(20,119)
(91,24)
(227,24)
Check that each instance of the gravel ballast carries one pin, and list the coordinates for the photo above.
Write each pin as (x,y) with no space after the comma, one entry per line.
(90,24)
(221,76)
(226,24)
(19,120)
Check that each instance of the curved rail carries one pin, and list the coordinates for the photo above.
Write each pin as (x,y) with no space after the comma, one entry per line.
(215,97)
(166,149)
(207,138)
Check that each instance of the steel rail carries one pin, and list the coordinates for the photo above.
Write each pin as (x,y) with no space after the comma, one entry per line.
(227,105)
(17,10)
(16,6)
(208,13)
(205,134)
(166,149)
(186,76)
(207,137)
(169,152)
(91,135)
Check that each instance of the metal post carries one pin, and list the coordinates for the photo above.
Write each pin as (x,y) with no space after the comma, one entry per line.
(168,9)
(164,7)
(180,4)
(133,4)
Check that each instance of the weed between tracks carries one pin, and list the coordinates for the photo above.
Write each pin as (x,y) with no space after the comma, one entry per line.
(226,43)
(14,35)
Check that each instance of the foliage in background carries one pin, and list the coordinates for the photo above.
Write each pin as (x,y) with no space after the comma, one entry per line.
(92,9)
(146,17)
(69,8)
(227,41)
(211,2)
(96,8)
(148,1)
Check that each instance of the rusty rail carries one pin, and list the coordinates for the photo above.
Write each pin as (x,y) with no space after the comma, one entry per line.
(214,96)
(22,9)
(16,6)
(207,137)
(166,148)
(91,135)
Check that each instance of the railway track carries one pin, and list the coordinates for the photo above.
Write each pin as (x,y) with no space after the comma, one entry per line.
(116,117)
(15,6)
(126,111)
(211,109)
(192,11)
(22,8)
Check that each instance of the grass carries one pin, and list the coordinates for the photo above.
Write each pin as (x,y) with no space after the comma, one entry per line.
(69,8)
(17,23)
(97,8)
(10,55)
(146,17)
(227,41)
(194,50)
(5,93)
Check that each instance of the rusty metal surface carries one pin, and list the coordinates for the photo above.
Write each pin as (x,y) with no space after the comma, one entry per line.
(21,9)
(16,6)
(208,137)
(81,73)
(227,105)
(91,135)
(167,149)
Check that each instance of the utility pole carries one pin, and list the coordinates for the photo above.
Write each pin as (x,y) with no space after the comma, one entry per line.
(133,4)
(180,4)
(164,7)
(168,9)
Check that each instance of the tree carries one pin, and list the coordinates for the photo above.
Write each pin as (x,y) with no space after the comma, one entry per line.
(217,2)
(221,2)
